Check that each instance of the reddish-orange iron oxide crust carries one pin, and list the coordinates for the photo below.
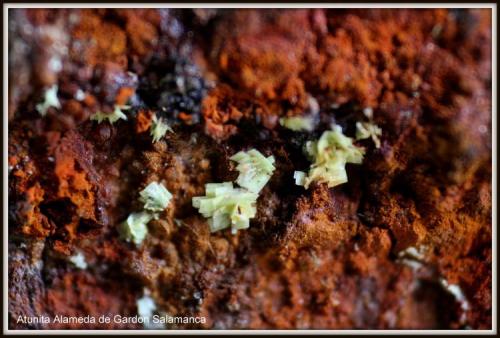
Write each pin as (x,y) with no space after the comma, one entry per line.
(339,258)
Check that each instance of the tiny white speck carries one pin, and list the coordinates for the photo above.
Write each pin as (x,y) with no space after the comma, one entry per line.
(79,95)
(482,129)
(55,64)
(430,46)
(456,291)
(145,308)
(415,265)
(411,252)
(313,105)
(79,261)
(50,100)
(368,112)
(51,159)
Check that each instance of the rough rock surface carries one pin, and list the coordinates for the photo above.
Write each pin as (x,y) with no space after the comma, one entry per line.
(382,251)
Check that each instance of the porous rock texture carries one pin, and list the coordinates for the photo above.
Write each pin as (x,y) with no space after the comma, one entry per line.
(387,250)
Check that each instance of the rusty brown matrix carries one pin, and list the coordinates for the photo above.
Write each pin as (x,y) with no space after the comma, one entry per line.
(405,243)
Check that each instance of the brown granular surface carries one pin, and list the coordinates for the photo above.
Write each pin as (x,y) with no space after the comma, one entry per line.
(406,243)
